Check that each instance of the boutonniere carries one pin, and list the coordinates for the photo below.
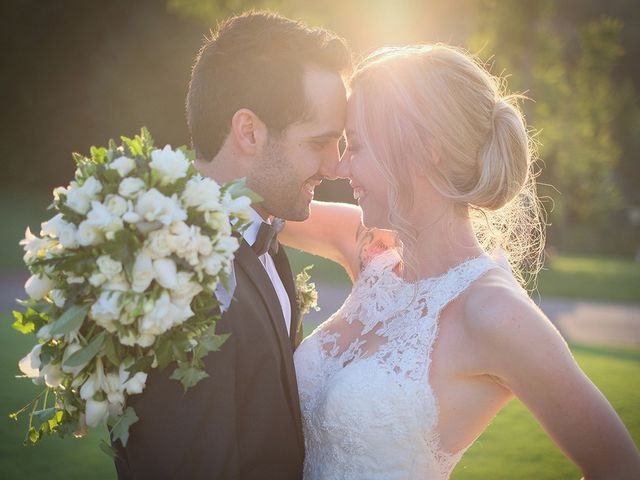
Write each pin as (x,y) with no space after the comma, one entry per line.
(306,293)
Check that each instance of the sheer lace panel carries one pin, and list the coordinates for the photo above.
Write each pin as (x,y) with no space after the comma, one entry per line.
(363,376)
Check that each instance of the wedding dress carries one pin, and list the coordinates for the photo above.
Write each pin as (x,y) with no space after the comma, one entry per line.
(363,377)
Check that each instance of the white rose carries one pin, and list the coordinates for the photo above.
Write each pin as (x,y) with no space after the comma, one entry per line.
(77,200)
(116,205)
(165,272)
(204,245)
(52,375)
(91,187)
(106,310)
(159,243)
(143,272)
(123,165)
(153,206)
(108,266)
(88,234)
(130,186)
(30,364)
(100,217)
(202,193)
(96,412)
(170,165)
(185,290)
(37,287)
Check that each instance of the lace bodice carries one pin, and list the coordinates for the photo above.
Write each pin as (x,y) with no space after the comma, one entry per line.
(363,377)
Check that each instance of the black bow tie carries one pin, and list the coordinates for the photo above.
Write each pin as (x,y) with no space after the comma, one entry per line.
(267,238)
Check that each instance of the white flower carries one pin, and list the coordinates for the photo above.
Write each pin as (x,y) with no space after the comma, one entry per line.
(163,316)
(239,206)
(79,198)
(96,412)
(165,272)
(58,297)
(52,375)
(65,232)
(108,266)
(159,243)
(100,217)
(116,205)
(30,364)
(114,390)
(106,310)
(130,186)
(88,234)
(185,290)
(123,165)
(202,193)
(129,338)
(97,279)
(153,206)
(219,221)
(92,384)
(135,384)
(37,287)
(226,246)
(169,164)
(117,283)
(185,241)
(145,340)
(143,272)
(212,264)
(35,247)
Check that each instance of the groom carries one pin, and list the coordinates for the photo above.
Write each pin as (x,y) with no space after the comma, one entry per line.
(266,102)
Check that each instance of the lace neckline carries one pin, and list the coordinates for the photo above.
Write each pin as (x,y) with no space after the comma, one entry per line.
(393,255)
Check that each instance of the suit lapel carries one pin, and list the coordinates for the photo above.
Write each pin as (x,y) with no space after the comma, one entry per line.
(249,262)
(281,262)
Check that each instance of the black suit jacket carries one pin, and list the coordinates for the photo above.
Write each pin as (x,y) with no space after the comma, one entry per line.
(243,421)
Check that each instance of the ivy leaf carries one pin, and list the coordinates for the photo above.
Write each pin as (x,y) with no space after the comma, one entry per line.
(112,350)
(120,431)
(84,355)
(70,320)
(40,417)
(188,375)
(22,324)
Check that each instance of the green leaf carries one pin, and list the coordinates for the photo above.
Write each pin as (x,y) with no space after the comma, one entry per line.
(238,188)
(188,375)
(120,431)
(22,324)
(111,350)
(84,355)
(41,417)
(108,449)
(70,320)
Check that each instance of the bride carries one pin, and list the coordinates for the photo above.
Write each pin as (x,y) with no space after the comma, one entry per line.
(436,335)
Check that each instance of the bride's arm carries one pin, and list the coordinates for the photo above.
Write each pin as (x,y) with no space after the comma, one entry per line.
(335,231)
(521,347)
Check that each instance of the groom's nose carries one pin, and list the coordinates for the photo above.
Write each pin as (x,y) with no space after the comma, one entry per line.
(329,164)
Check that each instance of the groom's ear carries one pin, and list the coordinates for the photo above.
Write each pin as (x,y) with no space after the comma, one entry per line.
(248,131)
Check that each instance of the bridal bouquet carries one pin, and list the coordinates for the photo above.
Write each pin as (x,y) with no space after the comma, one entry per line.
(123,282)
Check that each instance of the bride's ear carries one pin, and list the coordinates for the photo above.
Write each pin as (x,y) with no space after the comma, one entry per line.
(249,133)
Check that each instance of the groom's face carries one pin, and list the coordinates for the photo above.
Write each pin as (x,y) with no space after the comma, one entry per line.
(295,162)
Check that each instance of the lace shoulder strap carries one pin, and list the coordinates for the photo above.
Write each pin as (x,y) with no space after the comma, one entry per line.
(456,281)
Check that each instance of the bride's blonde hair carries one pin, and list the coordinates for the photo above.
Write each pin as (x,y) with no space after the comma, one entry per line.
(418,103)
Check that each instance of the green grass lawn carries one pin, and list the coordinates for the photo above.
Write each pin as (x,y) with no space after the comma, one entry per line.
(514,446)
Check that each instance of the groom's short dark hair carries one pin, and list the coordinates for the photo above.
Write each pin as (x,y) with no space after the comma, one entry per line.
(257,61)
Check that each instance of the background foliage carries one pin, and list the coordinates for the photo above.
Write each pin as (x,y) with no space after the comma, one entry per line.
(78,72)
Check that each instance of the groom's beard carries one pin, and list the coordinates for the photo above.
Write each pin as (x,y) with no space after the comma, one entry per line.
(278,184)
